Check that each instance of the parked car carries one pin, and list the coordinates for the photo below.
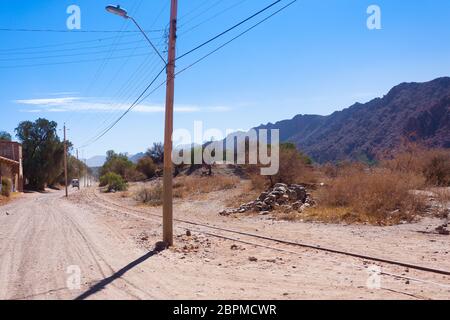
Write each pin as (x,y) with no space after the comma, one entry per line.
(75,183)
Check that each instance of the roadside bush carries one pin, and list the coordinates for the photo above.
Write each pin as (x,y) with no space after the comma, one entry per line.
(113,182)
(437,169)
(189,185)
(294,167)
(379,196)
(6,187)
(150,195)
(147,167)
(432,164)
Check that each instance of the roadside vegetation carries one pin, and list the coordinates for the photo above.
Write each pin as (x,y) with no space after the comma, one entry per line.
(43,155)
(383,193)
(113,182)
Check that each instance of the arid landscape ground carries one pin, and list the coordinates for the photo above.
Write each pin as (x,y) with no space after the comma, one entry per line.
(111,238)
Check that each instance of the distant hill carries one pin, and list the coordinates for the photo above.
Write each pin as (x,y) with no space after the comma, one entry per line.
(96,161)
(415,111)
(135,158)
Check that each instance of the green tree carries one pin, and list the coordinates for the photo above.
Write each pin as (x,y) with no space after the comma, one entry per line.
(120,164)
(43,152)
(156,152)
(75,170)
(146,166)
(5,136)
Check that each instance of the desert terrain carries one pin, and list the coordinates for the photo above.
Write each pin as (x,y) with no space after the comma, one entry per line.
(110,238)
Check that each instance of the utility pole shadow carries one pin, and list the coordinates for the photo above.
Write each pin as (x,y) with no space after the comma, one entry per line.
(103,283)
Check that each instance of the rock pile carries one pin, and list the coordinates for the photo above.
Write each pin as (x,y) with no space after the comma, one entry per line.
(292,197)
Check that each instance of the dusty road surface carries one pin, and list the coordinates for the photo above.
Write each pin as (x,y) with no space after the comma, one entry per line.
(96,246)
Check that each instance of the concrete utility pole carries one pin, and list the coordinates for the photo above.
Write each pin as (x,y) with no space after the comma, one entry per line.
(65,160)
(170,92)
(78,175)
(86,184)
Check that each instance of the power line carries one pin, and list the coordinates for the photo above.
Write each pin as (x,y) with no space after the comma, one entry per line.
(229,29)
(126,111)
(74,31)
(124,91)
(69,49)
(75,54)
(139,100)
(212,17)
(74,62)
(215,4)
(63,44)
(221,46)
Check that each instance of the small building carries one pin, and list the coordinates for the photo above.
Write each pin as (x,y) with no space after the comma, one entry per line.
(11,159)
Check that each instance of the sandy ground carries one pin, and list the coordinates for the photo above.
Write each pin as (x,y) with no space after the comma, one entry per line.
(46,239)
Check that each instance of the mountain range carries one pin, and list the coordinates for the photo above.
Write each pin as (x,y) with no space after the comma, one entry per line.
(418,112)
(413,111)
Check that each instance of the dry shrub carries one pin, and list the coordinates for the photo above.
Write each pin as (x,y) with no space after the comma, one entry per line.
(191,185)
(6,187)
(443,201)
(432,164)
(377,196)
(249,193)
(294,167)
(150,195)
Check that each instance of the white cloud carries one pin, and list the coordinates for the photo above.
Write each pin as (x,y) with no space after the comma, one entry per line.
(47,102)
(77,104)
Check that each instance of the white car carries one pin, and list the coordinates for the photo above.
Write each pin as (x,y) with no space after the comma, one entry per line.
(75,183)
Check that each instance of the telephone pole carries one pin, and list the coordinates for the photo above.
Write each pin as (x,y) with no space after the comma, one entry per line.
(65,160)
(170,92)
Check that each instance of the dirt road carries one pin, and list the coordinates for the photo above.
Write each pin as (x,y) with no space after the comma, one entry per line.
(57,248)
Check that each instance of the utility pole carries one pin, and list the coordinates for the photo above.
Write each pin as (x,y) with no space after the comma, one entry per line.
(65,160)
(86,184)
(170,93)
(78,166)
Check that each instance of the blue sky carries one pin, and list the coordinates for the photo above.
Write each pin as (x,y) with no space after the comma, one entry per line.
(315,57)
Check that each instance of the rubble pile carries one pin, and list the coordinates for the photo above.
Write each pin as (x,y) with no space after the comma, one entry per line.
(292,197)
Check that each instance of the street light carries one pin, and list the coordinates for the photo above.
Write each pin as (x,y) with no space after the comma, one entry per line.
(117,10)
(168,126)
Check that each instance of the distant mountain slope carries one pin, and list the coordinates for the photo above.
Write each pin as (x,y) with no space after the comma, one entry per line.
(96,161)
(135,158)
(417,111)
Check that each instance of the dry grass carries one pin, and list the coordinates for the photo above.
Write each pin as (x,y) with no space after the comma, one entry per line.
(432,164)
(443,201)
(150,195)
(4,200)
(249,193)
(377,196)
(193,185)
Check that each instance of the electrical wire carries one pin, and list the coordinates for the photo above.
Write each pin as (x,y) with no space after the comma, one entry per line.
(139,100)
(75,31)
(229,29)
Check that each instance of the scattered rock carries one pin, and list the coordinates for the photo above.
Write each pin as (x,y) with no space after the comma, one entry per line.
(252,259)
(443,230)
(292,197)
(188,233)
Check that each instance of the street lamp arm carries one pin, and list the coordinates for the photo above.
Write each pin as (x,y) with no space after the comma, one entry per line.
(148,39)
